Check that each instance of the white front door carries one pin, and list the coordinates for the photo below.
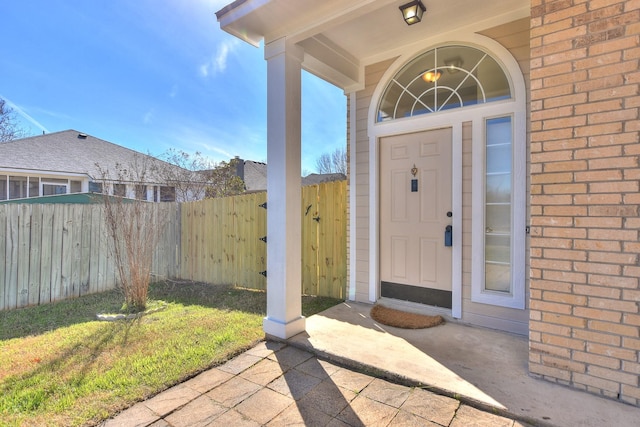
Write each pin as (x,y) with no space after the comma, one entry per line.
(415,211)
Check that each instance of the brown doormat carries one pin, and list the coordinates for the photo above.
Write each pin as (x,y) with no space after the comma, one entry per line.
(401,319)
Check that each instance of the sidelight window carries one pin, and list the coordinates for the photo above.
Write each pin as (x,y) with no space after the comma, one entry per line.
(498,175)
(499,228)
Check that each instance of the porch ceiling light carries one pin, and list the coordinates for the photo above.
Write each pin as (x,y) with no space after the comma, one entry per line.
(412,12)
(431,76)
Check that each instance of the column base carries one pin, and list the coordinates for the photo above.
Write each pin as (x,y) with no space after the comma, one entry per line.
(283,330)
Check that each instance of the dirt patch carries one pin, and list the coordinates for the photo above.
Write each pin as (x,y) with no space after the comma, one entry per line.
(401,319)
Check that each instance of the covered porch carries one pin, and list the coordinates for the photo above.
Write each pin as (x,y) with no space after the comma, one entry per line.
(341,42)
(523,256)
(479,366)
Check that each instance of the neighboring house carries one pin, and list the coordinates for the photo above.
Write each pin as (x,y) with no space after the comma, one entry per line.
(254,175)
(73,162)
(319,178)
(494,173)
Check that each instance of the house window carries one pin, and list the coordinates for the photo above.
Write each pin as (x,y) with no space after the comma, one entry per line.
(141,192)
(34,186)
(442,79)
(76,186)
(499,275)
(17,187)
(167,194)
(53,186)
(3,187)
(120,190)
(95,187)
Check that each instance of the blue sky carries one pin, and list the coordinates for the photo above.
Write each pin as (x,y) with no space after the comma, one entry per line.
(150,75)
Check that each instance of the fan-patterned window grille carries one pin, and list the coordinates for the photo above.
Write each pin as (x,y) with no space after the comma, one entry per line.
(441,79)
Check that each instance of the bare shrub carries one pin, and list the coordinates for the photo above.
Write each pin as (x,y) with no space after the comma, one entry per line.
(134,226)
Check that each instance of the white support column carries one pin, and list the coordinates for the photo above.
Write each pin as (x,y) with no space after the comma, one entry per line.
(284,224)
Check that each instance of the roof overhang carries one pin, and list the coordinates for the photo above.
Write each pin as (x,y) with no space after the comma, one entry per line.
(42,173)
(340,37)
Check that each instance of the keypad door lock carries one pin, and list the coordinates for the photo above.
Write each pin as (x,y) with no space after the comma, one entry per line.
(448,235)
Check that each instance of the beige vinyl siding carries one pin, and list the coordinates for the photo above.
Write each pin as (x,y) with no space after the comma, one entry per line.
(373,74)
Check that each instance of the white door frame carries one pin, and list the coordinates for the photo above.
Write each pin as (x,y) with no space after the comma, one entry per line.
(456,204)
(453,119)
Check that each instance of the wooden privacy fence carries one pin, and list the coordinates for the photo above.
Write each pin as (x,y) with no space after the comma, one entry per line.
(50,252)
(221,240)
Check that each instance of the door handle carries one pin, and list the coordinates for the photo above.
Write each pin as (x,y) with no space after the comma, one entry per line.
(448,235)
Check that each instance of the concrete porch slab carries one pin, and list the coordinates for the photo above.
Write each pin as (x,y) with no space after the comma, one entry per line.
(485,367)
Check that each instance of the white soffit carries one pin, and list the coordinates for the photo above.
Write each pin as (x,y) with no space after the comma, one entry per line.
(341,36)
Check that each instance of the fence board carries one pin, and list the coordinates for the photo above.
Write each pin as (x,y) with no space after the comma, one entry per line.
(160,262)
(45,254)
(325,251)
(213,269)
(105,272)
(310,240)
(249,228)
(24,239)
(35,257)
(94,253)
(67,253)
(76,249)
(11,275)
(3,258)
(229,245)
(260,215)
(66,264)
(204,253)
(85,250)
(172,241)
(333,252)
(188,247)
(56,252)
(240,230)
(218,270)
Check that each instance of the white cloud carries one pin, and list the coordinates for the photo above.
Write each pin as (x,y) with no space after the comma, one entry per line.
(148,117)
(206,147)
(218,62)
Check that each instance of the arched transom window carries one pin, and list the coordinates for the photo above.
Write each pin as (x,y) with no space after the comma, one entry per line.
(442,79)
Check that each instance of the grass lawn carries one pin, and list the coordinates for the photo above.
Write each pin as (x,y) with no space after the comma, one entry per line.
(60,366)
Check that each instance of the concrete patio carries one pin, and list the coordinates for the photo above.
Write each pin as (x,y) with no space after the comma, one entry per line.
(482,367)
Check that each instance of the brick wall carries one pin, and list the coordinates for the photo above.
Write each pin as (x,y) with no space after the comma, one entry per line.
(585,195)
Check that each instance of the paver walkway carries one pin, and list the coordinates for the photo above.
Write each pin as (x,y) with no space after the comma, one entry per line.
(274,384)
